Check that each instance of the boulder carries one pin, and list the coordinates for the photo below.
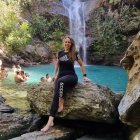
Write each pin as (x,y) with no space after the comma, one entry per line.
(55,133)
(13,125)
(129,107)
(87,101)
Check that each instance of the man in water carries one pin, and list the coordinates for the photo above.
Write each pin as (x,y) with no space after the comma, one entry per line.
(48,78)
(18,78)
(42,80)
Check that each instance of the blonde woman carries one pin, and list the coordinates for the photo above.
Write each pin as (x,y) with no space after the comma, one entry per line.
(65,77)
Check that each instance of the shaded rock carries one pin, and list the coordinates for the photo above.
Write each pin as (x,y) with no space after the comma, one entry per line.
(129,107)
(2,100)
(56,133)
(87,101)
(134,133)
(57,7)
(92,137)
(6,109)
(38,52)
(137,137)
(13,125)
(34,54)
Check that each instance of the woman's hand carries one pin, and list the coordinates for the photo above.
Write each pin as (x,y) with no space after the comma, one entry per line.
(86,79)
(54,78)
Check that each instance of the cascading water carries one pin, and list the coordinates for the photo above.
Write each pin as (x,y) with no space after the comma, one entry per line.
(75,10)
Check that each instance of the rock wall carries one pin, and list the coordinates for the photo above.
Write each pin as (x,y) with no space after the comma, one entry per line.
(129,107)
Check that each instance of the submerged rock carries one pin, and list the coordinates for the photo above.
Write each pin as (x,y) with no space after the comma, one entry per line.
(87,101)
(129,107)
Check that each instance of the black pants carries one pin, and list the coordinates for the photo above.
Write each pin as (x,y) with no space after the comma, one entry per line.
(62,85)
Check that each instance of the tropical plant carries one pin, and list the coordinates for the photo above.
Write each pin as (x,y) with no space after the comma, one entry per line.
(14,33)
(49,29)
(18,38)
(108,39)
(46,28)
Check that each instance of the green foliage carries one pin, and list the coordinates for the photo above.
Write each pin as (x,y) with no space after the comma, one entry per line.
(114,1)
(129,16)
(14,4)
(55,45)
(18,38)
(24,4)
(14,34)
(108,39)
(48,29)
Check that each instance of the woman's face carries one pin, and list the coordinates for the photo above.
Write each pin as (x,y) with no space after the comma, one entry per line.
(67,44)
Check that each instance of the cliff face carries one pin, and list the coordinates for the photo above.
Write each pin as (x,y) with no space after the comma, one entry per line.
(129,107)
(131,62)
(44,7)
(56,7)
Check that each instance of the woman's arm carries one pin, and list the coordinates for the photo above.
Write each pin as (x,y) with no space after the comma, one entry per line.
(56,70)
(80,62)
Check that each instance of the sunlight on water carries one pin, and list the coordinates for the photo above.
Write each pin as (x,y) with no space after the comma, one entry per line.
(15,95)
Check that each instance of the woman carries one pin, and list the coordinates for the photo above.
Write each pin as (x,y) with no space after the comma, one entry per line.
(65,77)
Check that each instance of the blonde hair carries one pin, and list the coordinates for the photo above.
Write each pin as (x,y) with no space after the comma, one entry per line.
(72,51)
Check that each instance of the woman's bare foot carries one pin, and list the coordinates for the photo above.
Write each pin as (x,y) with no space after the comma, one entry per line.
(48,125)
(61,104)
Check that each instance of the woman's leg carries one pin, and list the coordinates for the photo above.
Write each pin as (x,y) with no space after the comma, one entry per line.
(61,104)
(53,108)
(61,85)
(66,82)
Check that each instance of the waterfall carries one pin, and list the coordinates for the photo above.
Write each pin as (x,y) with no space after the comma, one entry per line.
(76,13)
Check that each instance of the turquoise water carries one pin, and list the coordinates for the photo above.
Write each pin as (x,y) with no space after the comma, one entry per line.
(113,77)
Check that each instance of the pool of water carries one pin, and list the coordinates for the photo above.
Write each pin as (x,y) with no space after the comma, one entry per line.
(113,77)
